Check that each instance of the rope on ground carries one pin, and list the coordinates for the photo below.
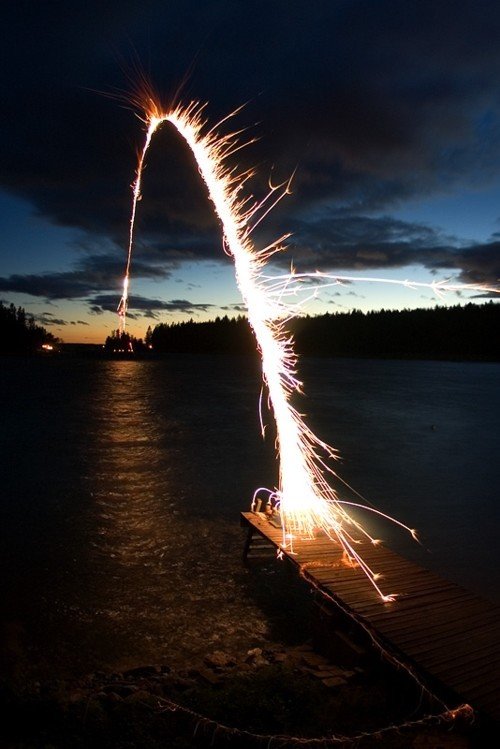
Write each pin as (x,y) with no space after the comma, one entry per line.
(279,740)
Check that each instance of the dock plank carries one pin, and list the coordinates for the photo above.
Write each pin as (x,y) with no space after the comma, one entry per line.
(443,630)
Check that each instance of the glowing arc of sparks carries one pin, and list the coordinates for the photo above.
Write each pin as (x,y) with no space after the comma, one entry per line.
(304,498)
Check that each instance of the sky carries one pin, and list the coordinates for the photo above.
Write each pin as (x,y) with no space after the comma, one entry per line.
(386,112)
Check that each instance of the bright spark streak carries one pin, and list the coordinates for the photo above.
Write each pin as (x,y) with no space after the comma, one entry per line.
(306,501)
(153,122)
(290,283)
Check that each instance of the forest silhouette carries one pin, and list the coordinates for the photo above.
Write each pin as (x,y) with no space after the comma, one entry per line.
(469,332)
(19,334)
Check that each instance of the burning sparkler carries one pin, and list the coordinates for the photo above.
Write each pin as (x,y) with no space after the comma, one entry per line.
(304,498)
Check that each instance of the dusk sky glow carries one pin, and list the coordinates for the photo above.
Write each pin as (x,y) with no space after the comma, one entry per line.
(389,112)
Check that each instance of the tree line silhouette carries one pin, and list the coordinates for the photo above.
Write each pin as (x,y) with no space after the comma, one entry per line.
(469,332)
(223,335)
(120,342)
(19,333)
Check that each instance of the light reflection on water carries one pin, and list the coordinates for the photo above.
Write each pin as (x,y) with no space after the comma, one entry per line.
(130,473)
(130,553)
(164,577)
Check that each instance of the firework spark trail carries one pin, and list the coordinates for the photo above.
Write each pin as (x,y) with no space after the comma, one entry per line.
(291,283)
(306,501)
(153,123)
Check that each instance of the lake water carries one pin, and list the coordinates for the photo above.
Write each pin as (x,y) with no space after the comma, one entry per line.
(122,483)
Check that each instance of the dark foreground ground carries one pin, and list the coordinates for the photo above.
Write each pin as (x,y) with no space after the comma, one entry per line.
(271,673)
(291,695)
(275,694)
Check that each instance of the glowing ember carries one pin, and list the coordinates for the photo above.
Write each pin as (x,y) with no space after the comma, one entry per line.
(304,498)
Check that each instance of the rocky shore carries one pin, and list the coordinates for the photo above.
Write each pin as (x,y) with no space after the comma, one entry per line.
(267,696)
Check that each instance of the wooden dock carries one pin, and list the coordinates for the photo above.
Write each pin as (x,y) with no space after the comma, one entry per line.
(448,635)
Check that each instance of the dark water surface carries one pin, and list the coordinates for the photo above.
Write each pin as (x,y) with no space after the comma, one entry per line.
(122,481)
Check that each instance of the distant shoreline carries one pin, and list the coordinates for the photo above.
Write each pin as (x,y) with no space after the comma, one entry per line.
(89,351)
(459,333)
(466,333)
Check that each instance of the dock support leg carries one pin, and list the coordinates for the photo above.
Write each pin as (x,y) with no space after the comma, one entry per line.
(248,543)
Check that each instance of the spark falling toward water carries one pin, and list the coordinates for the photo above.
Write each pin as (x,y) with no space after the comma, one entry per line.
(306,501)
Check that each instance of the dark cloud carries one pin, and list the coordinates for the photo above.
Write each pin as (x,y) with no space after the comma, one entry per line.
(236,307)
(374,102)
(91,274)
(46,318)
(148,307)
(366,243)
(476,264)
(344,294)
(70,285)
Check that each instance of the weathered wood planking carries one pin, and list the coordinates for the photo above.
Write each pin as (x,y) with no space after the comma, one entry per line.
(438,627)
